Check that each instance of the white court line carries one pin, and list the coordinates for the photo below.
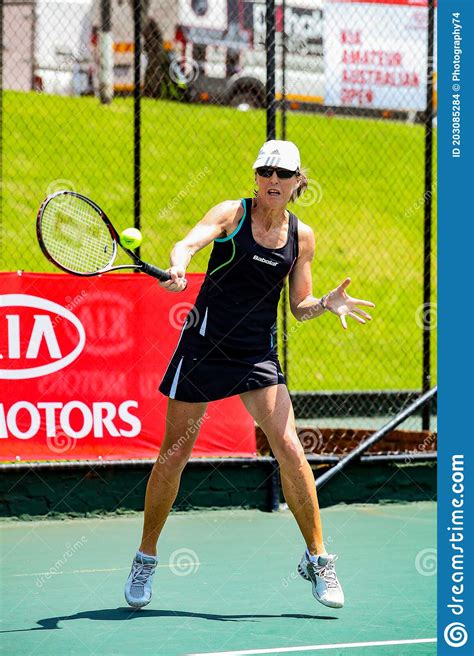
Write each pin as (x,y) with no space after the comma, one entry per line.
(74,571)
(342,645)
(87,571)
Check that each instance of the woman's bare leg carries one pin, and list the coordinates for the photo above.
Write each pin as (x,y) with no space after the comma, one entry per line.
(272,410)
(183,421)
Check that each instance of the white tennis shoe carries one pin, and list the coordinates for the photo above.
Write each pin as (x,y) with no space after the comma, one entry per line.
(138,588)
(322,573)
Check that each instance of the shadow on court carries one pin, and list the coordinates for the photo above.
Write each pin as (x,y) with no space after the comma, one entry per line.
(125,614)
(240,589)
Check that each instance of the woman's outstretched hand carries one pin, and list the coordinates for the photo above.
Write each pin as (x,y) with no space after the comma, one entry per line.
(340,303)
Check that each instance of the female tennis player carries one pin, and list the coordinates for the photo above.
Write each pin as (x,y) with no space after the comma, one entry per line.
(231,349)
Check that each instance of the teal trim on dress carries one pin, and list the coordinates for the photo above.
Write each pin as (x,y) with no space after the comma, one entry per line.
(232,234)
(228,261)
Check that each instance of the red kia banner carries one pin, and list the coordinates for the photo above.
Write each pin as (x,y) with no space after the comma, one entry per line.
(80,364)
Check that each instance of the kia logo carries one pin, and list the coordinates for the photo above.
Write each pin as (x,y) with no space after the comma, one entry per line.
(29,337)
(108,318)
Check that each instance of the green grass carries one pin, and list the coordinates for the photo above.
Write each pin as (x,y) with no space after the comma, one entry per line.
(367,184)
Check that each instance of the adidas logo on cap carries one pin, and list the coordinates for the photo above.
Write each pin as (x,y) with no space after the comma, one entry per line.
(278,153)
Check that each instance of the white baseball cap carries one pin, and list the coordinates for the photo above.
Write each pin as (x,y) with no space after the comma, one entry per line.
(281,154)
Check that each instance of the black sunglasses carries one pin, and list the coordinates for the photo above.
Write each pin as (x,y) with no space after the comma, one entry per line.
(267,172)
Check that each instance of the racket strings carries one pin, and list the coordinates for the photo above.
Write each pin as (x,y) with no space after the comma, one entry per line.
(76,236)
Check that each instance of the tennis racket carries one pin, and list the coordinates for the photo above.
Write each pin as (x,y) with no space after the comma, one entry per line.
(78,237)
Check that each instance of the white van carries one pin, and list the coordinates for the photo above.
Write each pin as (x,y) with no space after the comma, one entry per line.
(216,48)
(213,49)
(232,59)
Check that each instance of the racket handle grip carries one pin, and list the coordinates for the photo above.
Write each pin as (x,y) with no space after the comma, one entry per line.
(155,272)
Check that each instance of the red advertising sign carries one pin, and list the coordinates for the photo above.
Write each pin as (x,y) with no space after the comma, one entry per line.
(80,364)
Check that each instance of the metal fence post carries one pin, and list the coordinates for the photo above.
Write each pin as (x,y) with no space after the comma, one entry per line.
(283,136)
(427,326)
(284,46)
(270,101)
(137,26)
(106,66)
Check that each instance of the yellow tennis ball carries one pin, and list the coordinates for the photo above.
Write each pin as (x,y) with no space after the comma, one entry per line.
(131,238)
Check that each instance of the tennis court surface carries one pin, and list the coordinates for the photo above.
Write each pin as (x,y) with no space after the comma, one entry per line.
(226,583)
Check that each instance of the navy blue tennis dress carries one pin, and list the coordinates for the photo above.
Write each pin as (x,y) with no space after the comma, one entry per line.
(228,341)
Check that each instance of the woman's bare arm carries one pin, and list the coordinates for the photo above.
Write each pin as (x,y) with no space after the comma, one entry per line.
(304,305)
(217,222)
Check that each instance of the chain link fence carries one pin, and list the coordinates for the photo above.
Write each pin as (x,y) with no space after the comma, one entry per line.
(352,84)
